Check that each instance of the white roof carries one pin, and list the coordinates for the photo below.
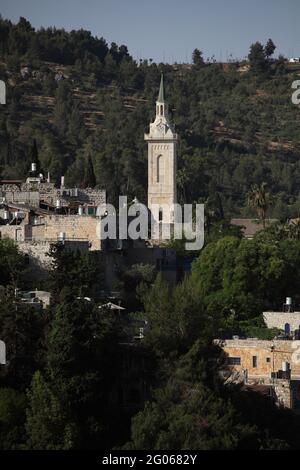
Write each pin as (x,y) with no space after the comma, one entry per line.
(112,306)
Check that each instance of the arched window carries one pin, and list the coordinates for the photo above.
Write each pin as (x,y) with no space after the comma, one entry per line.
(287,328)
(160,215)
(159,169)
(161,110)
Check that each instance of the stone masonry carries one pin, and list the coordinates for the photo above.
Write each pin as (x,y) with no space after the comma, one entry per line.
(74,227)
(280,319)
(269,355)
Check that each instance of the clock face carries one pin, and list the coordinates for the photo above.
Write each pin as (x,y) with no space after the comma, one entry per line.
(161,127)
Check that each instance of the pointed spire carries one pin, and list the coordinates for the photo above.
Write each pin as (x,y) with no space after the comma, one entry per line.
(161,90)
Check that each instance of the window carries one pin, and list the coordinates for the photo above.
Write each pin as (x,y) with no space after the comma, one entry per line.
(254,361)
(160,215)
(234,361)
(287,328)
(268,359)
(159,169)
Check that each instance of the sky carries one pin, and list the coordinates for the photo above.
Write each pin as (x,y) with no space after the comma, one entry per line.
(169,30)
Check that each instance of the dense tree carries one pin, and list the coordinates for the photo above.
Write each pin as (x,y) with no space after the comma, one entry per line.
(195,411)
(257,58)
(77,272)
(48,425)
(82,352)
(21,328)
(260,199)
(135,281)
(11,262)
(269,48)
(12,419)
(197,57)
(175,319)
(239,278)
(89,175)
(33,155)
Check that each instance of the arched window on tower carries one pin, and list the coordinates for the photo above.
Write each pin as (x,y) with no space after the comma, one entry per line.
(160,215)
(159,169)
(161,110)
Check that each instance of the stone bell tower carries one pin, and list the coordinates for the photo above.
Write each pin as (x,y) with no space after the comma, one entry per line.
(162,143)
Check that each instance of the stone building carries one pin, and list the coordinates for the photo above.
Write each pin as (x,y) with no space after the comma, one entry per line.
(36,211)
(55,227)
(289,322)
(44,194)
(162,149)
(267,366)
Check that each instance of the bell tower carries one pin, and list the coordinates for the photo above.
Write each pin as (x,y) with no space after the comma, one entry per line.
(162,148)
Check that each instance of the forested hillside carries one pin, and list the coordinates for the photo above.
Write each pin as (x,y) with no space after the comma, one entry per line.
(85,101)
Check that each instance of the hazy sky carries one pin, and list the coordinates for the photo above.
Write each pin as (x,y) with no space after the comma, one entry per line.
(169,30)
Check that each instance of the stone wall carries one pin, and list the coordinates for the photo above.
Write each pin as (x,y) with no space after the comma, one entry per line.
(37,250)
(50,194)
(39,262)
(49,228)
(283,393)
(32,198)
(97,196)
(279,320)
(14,232)
(32,194)
(75,227)
(269,355)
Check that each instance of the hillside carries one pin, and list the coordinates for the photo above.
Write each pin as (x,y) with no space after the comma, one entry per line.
(79,98)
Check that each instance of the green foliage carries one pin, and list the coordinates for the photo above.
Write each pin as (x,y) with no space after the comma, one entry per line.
(73,272)
(258,58)
(194,411)
(197,58)
(47,425)
(21,328)
(239,278)
(89,177)
(12,419)
(269,48)
(11,262)
(135,281)
(253,328)
(236,129)
(260,199)
(82,352)
(176,319)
